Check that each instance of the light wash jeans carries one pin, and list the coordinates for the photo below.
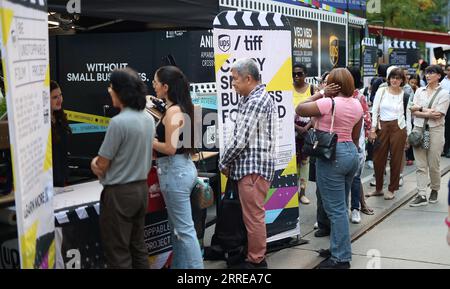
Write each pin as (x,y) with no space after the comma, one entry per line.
(177,176)
(334,179)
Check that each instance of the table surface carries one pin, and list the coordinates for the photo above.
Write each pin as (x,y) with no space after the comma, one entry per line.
(7,200)
(77,195)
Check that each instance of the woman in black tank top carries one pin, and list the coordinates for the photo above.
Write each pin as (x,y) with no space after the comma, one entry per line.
(176,171)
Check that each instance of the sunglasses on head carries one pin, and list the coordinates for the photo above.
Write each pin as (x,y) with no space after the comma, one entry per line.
(298,74)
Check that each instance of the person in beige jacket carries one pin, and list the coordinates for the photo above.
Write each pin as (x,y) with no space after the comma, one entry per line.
(428,160)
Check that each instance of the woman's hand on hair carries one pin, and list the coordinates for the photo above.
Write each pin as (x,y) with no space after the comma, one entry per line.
(332,90)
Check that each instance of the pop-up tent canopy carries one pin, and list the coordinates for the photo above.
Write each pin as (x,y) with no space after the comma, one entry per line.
(155,13)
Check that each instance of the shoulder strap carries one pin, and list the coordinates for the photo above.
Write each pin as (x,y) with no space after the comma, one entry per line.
(379,107)
(333,111)
(434,97)
(425,123)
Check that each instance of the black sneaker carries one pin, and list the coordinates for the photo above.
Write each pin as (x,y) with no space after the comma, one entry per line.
(321,233)
(253,266)
(330,264)
(419,201)
(433,197)
(324,253)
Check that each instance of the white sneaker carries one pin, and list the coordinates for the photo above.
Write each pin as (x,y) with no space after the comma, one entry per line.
(356,217)
(316,226)
(400,183)
(370,164)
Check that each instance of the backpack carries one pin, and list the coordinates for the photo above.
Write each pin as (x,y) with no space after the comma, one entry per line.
(229,241)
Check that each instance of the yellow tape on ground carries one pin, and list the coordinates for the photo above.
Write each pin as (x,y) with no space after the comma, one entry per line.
(87,118)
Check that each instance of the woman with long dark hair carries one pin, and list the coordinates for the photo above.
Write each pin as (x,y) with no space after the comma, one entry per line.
(176,171)
(60,134)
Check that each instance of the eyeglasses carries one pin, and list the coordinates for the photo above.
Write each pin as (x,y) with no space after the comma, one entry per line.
(298,74)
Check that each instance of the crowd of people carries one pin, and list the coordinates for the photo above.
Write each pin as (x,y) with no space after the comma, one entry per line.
(372,124)
(401,106)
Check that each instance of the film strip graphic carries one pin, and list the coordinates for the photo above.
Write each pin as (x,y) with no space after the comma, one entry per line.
(81,213)
(251,21)
(403,44)
(369,42)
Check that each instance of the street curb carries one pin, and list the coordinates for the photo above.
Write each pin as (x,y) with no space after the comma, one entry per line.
(379,218)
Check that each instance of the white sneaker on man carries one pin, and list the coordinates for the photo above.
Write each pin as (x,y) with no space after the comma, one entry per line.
(316,226)
(400,183)
(370,164)
(356,216)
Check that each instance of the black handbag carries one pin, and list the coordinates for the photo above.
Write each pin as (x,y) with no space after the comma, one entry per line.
(321,144)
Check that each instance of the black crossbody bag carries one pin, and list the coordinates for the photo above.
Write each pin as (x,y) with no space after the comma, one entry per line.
(321,144)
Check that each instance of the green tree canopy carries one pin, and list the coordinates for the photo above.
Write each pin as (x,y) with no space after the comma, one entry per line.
(411,14)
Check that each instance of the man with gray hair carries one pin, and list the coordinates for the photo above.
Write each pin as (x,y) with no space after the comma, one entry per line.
(249,157)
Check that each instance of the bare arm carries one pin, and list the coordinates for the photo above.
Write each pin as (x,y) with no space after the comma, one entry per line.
(100,166)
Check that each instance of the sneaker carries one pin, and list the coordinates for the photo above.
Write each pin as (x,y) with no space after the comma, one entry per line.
(373,183)
(251,266)
(400,183)
(419,201)
(331,264)
(324,253)
(356,217)
(304,200)
(370,164)
(316,226)
(321,233)
(389,195)
(433,197)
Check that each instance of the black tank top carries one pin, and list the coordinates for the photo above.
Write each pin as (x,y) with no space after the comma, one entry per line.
(161,136)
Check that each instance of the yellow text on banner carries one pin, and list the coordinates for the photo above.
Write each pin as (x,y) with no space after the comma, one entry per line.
(87,118)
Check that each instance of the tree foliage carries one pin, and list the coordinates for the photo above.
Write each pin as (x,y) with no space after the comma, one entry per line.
(411,14)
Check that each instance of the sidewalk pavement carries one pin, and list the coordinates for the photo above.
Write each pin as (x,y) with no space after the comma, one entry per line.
(306,256)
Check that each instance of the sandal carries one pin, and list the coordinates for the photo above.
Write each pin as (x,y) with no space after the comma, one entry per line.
(375,194)
(367,211)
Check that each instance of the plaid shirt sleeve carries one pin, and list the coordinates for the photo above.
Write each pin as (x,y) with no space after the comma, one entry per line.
(245,129)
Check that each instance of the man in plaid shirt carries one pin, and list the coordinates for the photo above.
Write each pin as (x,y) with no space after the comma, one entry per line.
(250,155)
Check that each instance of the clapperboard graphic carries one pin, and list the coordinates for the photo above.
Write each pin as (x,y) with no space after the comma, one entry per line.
(404,54)
(370,59)
(369,42)
(35,4)
(266,38)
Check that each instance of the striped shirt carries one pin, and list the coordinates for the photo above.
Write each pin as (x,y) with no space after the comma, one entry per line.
(251,150)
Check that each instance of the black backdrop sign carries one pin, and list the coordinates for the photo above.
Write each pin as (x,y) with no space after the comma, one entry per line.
(82,65)
(333,53)
(305,44)
(405,57)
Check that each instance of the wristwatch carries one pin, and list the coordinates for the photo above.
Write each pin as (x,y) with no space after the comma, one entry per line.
(447,222)
(322,92)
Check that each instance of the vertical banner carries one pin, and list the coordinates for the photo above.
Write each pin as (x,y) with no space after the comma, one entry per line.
(265,37)
(305,44)
(332,46)
(369,60)
(25,59)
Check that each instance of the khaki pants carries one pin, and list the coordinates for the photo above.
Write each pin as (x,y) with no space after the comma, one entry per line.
(253,190)
(429,160)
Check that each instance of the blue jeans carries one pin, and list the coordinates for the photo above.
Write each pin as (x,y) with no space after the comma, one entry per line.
(356,184)
(334,179)
(177,176)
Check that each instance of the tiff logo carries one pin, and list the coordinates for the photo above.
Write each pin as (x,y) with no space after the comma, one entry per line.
(74,6)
